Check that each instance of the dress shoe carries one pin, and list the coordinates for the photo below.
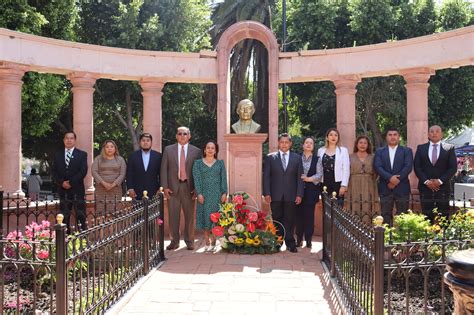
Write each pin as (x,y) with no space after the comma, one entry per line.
(299,243)
(308,245)
(293,249)
(172,246)
(190,247)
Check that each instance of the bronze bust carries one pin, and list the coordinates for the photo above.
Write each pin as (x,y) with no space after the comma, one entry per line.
(245,110)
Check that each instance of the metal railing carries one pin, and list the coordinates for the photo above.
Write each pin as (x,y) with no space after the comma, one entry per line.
(376,275)
(352,262)
(84,272)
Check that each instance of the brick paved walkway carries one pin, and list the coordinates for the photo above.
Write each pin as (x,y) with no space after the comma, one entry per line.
(195,282)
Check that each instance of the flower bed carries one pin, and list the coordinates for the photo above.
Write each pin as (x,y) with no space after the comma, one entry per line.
(242,231)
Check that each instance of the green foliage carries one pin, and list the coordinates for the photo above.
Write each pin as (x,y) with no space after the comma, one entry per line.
(150,25)
(372,21)
(408,227)
(43,98)
(20,16)
(454,14)
(451,94)
(459,226)
(380,101)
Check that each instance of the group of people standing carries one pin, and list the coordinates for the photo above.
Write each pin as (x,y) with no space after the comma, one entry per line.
(292,183)
(367,183)
(185,173)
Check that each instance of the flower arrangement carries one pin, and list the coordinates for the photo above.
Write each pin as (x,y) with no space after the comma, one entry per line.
(240,230)
(32,244)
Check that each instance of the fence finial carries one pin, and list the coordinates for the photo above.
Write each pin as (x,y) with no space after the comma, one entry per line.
(378,220)
(145,194)
(334,195)
(60,218)
(325,189)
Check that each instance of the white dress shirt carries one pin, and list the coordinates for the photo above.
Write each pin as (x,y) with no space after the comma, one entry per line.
(146,159)
(430,154)
(65,153)
(287,157)
(391,152)
(430,150)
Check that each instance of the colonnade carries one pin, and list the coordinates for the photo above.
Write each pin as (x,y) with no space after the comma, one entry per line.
(83,106)
(83,90)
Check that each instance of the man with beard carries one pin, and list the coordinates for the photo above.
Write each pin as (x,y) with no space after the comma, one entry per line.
(143,170)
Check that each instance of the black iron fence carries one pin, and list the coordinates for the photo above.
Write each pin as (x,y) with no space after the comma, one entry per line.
(378,272)
(44,268)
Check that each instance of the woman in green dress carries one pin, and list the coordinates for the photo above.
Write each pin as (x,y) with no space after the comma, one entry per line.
(210,182)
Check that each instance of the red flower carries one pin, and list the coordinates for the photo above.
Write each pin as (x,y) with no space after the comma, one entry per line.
(215,217)
(253,216)
(250,227)
(238,199)
(218,231)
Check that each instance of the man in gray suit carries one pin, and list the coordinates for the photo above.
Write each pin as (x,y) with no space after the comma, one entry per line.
(283,187)
(178,184)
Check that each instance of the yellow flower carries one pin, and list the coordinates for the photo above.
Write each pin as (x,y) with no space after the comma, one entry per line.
(249,241)
(239,241)
(470,213)
(257,242)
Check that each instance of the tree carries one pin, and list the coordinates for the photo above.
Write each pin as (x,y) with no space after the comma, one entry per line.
(150,25)
(454,14)
(44,96)
(380,101)
(246,55)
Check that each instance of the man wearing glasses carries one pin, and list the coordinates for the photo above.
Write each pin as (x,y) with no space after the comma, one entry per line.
(178,184)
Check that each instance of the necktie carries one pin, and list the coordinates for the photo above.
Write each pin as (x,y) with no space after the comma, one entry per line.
(283,161)
(434,154)
(68,157)
(182,165)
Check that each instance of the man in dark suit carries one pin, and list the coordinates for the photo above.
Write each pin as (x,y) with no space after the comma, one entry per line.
(178,186)
(393,163)
(69,170)
(435,165)
(283,187)
(143,169)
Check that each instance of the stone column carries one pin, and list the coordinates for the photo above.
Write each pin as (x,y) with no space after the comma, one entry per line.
(417,110)
(10,128)
(83,118)
(152,119)
(345,108)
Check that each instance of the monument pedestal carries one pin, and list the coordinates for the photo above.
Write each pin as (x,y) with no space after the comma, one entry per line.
(244,164)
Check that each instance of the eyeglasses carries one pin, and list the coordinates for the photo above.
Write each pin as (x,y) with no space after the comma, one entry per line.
(182,133)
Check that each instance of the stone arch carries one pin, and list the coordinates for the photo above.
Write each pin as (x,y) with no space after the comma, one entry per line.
(231,36)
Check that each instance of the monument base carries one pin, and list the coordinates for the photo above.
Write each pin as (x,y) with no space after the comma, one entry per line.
(244,164)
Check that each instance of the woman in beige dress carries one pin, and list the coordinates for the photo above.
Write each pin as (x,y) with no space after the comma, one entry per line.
(362,195)
(109,171)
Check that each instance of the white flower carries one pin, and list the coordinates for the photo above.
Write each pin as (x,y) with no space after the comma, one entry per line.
(231,230)
(240,228)
(222,240)
(232,239)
